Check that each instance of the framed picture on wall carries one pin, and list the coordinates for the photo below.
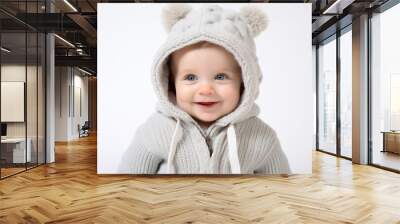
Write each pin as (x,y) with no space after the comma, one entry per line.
(12,101)
(205,90)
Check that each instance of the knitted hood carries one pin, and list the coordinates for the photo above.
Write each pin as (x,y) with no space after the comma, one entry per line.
(235,32)
(231,30)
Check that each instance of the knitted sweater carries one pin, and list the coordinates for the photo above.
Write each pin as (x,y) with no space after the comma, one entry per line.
(200,152)
(171,141)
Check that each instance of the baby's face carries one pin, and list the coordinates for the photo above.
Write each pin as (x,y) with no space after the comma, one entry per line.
(207,82)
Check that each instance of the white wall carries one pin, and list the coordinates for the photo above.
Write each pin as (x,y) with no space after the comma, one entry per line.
(314,86)
(50,94)
(61,103)
(68,81)
(33,126)
(16,72)
(80,83)
(126,97)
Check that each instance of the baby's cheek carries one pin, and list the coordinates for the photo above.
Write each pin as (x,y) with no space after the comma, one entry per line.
(183,94)
(232,96)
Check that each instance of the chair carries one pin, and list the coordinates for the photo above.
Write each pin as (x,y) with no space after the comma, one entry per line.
(84,130)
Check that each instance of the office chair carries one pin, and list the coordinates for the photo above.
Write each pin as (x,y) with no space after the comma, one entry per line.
(84,130)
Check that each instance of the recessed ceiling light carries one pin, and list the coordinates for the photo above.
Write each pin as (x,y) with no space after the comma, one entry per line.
(5,49)
(70,5)
(64,40)
(337,7)
(84,71)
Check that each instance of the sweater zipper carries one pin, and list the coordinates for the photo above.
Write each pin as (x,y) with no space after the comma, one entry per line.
(209,141)
(209,145)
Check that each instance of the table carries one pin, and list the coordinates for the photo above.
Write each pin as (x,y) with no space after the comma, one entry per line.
(15,148)
(391,141)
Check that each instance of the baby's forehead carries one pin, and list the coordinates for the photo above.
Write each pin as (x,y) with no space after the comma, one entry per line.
(217,56)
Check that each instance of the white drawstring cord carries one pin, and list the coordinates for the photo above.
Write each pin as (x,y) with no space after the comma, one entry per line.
(232,147)
(172,147)
(233,151)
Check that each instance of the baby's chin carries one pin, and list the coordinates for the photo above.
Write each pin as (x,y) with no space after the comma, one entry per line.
(208,119)
(204,121)
(204,124)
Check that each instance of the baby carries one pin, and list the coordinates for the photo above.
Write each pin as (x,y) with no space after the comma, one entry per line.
(206,77)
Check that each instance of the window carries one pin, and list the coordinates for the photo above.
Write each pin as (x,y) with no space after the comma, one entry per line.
(327,97)
(385,88)
(346,94)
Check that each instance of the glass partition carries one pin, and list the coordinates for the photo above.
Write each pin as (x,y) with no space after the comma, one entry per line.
(385,82)
(13,103)
(327,96)
(22,77)
(32,95)
(41,91)
(346,94)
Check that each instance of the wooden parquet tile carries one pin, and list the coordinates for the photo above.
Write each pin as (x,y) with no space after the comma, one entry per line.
(70,191)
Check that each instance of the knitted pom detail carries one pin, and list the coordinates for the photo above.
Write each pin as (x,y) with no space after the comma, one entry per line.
(172,13)
(256,19)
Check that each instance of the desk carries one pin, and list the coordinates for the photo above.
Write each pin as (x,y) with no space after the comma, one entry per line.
(15,148)
(391,141)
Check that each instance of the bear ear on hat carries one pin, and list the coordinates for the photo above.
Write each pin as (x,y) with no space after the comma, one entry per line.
(174,12)
(255,18)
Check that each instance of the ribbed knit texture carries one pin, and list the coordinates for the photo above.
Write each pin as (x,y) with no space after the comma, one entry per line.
(258,147)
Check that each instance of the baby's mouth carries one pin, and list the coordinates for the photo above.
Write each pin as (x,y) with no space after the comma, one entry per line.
(206,104)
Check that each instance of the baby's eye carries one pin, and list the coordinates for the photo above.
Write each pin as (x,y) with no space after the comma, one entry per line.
(190,77)
(221,76)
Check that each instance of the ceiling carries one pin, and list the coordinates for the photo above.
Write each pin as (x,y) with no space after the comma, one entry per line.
(76,22)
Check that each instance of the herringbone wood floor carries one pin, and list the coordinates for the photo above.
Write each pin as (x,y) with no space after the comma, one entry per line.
(70,191)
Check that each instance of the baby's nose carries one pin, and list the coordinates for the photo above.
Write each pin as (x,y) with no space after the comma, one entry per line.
(206,89)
